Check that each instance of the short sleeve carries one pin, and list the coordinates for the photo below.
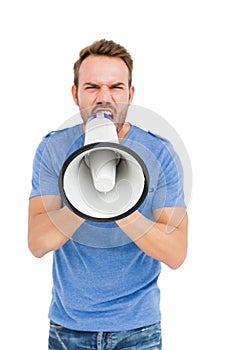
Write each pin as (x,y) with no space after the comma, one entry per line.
(44,174)
(169,191)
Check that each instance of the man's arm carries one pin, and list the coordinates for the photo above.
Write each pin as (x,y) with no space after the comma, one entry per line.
(165,239)
(49,225)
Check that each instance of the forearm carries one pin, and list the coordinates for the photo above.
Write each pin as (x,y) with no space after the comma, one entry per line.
(161,241)
(50,230)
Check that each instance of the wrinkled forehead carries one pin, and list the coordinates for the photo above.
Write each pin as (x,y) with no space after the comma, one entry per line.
(103,70)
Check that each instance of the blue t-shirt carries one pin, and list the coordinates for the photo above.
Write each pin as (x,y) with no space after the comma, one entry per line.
(102,281)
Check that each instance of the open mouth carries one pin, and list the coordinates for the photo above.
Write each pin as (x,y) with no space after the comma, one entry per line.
(107,111)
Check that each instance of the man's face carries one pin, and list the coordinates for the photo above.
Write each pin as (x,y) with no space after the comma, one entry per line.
(103,86)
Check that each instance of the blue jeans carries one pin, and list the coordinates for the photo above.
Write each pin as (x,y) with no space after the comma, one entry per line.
(146,338)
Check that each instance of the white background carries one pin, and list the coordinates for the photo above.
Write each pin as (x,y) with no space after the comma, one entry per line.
(183,71)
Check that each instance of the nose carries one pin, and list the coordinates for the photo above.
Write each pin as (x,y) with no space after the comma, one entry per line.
(104,95)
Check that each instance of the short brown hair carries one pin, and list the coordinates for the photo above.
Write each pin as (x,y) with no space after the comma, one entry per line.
(104,47)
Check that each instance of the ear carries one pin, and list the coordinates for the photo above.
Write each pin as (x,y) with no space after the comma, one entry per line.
(131,93)
(75,94)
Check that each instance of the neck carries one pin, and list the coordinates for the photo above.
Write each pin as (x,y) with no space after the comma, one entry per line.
(124,131)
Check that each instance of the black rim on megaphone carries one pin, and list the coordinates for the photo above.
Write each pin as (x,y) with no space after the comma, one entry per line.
(99,145)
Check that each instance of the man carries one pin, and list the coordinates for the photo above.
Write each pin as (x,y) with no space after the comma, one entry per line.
(107,296)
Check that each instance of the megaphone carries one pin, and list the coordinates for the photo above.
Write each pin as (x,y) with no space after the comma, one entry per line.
(103,180)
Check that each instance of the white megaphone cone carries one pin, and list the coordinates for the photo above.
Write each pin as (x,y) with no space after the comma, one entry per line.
(103,180)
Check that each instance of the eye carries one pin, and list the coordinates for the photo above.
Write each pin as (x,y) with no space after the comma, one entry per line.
(117,87)
(91,87)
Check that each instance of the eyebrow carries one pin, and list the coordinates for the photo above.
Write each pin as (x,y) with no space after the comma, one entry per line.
(90,84)
(118,84)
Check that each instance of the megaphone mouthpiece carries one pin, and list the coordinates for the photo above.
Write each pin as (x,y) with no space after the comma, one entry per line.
(100,128)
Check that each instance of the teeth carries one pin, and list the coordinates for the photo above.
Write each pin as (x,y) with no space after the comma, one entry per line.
(101,113)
